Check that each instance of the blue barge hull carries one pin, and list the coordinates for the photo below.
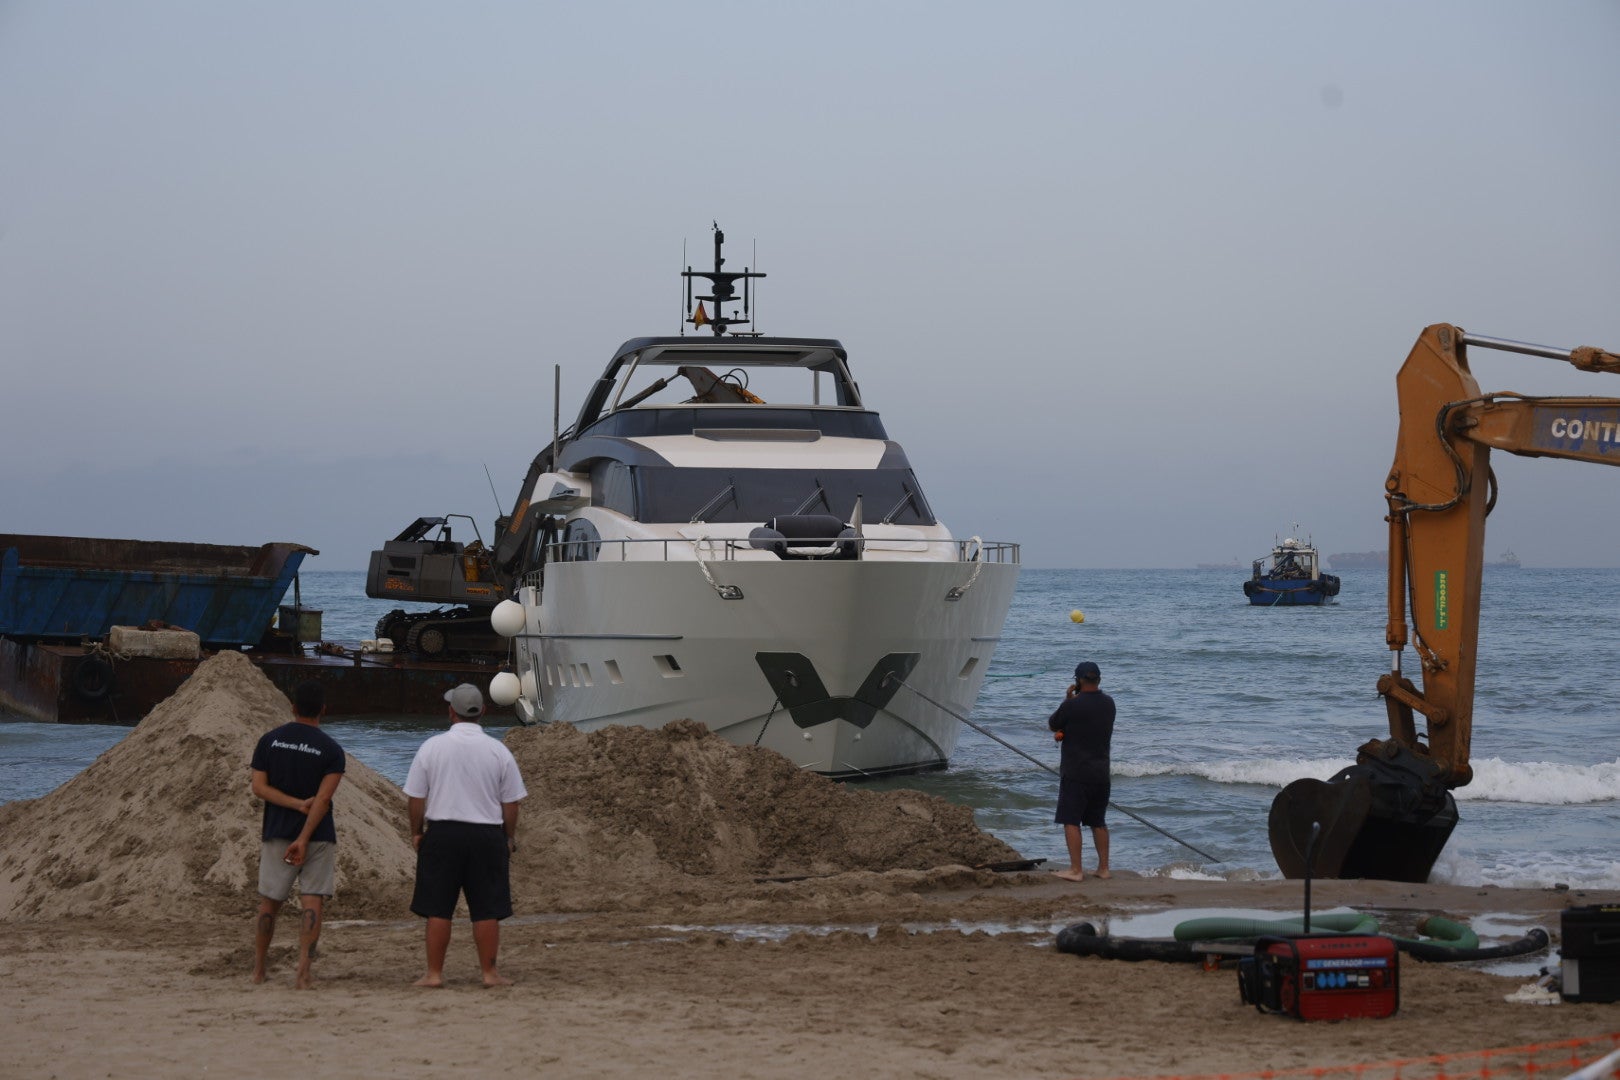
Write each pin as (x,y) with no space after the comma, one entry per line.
(70,588)
(1285,592)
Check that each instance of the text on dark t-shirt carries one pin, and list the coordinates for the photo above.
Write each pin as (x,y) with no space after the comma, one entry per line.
(294,759)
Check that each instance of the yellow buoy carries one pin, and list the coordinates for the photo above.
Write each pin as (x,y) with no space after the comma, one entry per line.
(1077,616)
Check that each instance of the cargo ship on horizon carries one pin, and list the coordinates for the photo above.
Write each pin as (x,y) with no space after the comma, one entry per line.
(1377,560)
(1358,560)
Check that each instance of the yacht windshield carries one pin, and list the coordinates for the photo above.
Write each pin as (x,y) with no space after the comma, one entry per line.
(662,493)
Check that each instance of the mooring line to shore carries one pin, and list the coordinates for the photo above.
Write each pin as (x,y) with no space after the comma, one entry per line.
(990,735)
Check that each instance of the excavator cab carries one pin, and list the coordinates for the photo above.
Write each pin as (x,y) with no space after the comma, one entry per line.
(1389,815)
(423,564)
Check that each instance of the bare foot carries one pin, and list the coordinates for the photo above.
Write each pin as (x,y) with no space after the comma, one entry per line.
(258,975)
(491,981)
(1104,874)
(305,981)
(1070,875)
(430,982)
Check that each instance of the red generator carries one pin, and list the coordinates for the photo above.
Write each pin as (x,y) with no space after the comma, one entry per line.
(1331,977)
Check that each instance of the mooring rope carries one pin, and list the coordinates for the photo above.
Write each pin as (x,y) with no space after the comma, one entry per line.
(991,735)
(977,560)
(698,544)
(767,722)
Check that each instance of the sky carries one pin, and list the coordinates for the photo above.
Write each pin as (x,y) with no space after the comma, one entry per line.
(1129,282)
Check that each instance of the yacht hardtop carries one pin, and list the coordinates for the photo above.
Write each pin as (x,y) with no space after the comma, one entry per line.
(718,457)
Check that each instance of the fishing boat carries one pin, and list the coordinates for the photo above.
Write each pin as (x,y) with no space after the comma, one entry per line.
(1291,575)
(727,533)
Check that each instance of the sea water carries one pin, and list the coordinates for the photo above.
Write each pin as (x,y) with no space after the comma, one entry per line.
(1219,705)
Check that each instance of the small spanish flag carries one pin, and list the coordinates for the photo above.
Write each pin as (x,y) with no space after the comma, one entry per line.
(702,317)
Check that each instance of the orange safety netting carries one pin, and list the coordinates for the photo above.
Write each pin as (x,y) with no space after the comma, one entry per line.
(1546,1061)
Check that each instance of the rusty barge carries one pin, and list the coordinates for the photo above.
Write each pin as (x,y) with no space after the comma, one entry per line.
(98,630)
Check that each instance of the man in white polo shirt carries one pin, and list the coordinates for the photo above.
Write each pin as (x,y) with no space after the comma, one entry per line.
(464,788)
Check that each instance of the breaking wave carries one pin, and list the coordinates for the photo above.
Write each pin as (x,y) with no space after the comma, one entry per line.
(1542,783)
(1581,871)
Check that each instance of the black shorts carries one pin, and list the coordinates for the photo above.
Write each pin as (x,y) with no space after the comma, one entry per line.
(1083,801)
(458,857)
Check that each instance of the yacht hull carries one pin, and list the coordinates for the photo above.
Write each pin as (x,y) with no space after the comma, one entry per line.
(850,668)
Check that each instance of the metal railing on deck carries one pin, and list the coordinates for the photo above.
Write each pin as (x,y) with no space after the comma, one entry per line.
(717,549)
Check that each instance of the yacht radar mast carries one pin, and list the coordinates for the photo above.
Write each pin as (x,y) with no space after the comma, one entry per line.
(724,286)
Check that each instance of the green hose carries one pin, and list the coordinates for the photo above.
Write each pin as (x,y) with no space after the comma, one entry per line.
(1443,933)
(1440,934)
(1219,929)
(1449,945)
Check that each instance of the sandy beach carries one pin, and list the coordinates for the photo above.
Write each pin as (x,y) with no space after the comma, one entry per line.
(685,908)
(621,993)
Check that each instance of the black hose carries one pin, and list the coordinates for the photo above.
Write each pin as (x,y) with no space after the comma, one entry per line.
(1534,941)
(1082,939)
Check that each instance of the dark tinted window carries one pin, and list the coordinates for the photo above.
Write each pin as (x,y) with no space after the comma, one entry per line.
(669,494)
(612,486)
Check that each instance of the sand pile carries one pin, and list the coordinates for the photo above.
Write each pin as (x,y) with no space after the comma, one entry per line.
(627,812)
(163,823)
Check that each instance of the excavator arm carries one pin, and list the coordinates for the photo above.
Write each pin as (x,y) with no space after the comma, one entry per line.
(516,533)
(1389,815)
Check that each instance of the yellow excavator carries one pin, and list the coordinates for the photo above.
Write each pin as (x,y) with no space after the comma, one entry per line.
(1389,815)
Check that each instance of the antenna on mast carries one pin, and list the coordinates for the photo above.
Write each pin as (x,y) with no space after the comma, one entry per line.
(723,291)
(499,509)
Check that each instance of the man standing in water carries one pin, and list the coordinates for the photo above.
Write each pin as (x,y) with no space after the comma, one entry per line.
(296,771)
(464,788)
(1084,726)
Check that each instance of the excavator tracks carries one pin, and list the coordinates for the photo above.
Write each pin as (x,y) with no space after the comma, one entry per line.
(443,634)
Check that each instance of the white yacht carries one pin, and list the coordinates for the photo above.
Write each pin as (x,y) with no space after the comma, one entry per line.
(728,534)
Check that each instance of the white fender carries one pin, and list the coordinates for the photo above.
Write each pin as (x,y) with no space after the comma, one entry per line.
(504,688)
(508,620)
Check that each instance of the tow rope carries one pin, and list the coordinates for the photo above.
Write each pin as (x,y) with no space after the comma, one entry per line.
(990,735)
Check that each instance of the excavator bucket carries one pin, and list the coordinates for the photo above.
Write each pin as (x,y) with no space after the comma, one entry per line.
(1340,809)
(1376,823)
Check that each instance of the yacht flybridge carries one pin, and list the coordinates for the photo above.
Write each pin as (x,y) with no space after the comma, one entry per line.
(728,534)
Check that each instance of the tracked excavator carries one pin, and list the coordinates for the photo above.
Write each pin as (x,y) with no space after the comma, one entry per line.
(426,564)
(1389,815)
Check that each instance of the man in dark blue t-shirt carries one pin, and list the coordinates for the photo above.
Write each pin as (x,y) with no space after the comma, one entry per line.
(1084,726)
(296,771)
